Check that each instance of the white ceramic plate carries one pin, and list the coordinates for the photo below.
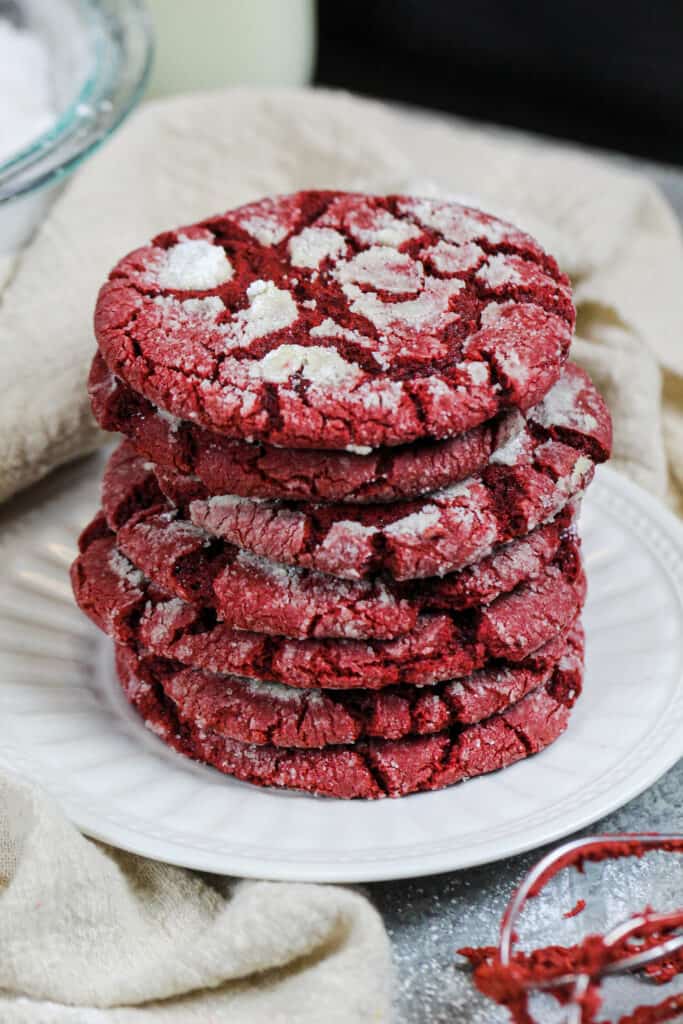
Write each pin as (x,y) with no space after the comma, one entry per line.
(64,723)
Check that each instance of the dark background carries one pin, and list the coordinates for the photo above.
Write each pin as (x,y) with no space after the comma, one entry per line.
(605,73)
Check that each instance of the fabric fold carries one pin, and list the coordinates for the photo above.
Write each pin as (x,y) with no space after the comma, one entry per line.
(85,925)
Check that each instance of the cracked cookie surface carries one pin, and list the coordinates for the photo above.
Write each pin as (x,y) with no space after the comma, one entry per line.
(338,320)
(249,592)
(118,597)
(370,768)
(219,465)
(269,713)
(540,463)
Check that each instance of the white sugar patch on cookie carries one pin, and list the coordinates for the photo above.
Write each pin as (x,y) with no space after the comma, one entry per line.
(455,223)
(329,328)
(270,309)
(512,441)
(498,271)
(322,366)
(193,264)
(270,220)
(560,408)
(348,541)
(383,269)
(582,467)
(313,245)
(278,691)
(266,229)
(371,225)
(275,571)
(477,371)
(380,397)
(208,308)
(125,570)
(453,259)
(430,311)
(219,501)
(172,421)
(512,367)
(415,524)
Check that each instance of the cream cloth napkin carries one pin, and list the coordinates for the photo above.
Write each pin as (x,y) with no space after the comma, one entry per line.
(91,935)
(85,925)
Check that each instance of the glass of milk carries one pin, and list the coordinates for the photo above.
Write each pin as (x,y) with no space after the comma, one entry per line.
(207,44)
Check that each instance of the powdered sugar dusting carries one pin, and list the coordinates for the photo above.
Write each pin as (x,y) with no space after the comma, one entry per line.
(383,269)
(313,245)
(513,368)
(268,230)
(453,259)
(371,225)
(193,265)
(270,309)
(322,366)
(455,223)
(171,421)
(498,271)
(560,407)
(477,371)
(328,328)
(511,441)
(276,691)
(428,312)
(125,570)
(416,523)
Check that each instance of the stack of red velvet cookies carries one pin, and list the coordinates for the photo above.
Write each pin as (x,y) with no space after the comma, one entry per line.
(337,549)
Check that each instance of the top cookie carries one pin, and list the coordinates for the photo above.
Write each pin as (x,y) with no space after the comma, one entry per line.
(338,320)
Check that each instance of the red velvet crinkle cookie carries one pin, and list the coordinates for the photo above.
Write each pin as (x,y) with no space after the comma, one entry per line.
(337,320)
(248,592)
(214,464)
(125,605)
(539,465)
(371,768)
(256,712)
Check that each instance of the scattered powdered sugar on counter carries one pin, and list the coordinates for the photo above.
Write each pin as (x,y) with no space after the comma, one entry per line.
(26,109)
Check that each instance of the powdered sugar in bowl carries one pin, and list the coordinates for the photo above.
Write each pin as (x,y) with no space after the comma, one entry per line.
(70,71)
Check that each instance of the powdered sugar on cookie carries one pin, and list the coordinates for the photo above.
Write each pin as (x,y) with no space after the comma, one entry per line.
(314,245)
(321,366)
(193,265)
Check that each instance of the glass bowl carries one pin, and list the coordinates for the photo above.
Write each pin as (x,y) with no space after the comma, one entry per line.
(100,57)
